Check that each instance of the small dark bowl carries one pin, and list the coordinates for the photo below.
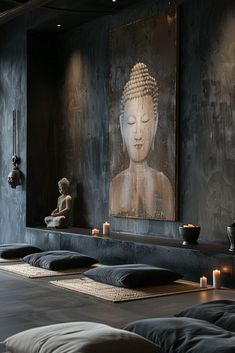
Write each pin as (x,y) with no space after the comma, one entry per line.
(189,234)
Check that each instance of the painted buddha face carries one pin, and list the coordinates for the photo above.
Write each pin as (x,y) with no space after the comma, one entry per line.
(139,113)
(139,127)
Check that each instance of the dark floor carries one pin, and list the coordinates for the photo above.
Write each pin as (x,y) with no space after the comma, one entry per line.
(27,303)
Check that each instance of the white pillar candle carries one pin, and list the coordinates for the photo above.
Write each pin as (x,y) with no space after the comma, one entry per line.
(216,279)
(106,228)
(203,282)
(95,231)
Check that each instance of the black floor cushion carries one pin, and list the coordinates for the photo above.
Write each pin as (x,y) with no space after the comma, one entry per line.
(183,334)
(59,260)
(219,312)
(17,250)
(132,275)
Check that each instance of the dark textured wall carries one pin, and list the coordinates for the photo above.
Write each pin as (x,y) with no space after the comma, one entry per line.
(206,122)
(208,115)
(42,114)
(12,96)
(206,119)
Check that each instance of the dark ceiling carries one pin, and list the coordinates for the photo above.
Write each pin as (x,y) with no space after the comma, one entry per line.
(70,13)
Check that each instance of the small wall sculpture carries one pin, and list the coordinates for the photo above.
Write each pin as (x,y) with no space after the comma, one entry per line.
(14,177)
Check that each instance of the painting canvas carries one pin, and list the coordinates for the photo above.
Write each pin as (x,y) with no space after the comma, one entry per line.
(142,120)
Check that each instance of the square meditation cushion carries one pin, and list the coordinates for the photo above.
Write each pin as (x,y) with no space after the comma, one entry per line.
(17,250)
(59,260)
(132,275)
(78,337)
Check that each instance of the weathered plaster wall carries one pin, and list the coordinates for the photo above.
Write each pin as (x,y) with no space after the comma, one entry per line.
(42,112)
(206,122)
(206,119)
(12,96)
(208,115)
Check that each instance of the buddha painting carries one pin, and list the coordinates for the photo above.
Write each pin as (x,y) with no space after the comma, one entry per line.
(140,191)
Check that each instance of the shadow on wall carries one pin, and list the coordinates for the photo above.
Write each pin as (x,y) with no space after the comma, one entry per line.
(79,208)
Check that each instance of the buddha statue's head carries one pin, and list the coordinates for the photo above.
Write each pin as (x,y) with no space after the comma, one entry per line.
(64,185)
(139,113)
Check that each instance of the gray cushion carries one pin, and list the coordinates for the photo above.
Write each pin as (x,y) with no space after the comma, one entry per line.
(132,275)
(17,250)
(59,260)
(219,312)
(183,334)
(78,337)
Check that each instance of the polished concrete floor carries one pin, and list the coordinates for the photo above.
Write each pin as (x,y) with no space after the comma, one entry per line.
(27,303)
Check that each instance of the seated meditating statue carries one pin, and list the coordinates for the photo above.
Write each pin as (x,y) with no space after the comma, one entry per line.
(59,217)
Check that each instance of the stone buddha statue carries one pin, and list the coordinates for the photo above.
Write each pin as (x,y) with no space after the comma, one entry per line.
(59,217)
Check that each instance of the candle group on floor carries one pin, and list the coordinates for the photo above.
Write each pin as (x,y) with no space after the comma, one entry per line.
(216,280)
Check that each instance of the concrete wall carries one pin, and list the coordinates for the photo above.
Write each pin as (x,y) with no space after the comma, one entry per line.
(208,116)
(42,111)
(12,96)
(206,124)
